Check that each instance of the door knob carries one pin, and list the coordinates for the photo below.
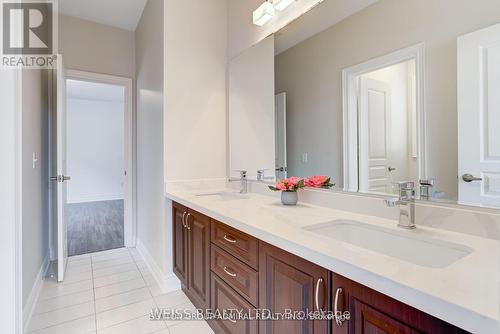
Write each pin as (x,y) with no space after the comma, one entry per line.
(469,178)
(59,178)
(391,169)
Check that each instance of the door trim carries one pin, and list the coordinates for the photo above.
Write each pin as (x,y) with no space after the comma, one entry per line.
(130,223)
(350,85)
(18,250)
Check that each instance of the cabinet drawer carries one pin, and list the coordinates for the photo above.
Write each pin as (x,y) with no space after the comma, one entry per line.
(238,275)
(225,298)
(243,246)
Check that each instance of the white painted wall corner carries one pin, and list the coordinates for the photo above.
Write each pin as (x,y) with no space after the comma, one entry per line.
(32,300)
(166,281)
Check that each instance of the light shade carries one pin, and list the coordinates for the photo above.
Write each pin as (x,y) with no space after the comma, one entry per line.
(263,14)
(282,4)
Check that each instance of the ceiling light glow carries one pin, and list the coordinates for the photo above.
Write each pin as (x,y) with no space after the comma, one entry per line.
(263,14)
(282,4)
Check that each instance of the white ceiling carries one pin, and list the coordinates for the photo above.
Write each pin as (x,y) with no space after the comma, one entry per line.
(123,14)
(85,90)
(321,17)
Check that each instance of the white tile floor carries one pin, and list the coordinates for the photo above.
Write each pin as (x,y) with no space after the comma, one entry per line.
(110,292)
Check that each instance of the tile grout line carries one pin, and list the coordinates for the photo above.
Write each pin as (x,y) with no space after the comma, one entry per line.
(152,297)
(94,301)
(93,291)
(130,303)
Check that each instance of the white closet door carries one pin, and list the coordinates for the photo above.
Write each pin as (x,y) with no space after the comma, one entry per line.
(374,136)
(479,117)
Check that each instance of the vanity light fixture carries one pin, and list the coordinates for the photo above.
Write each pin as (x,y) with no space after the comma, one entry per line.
(263,14)
(282,4)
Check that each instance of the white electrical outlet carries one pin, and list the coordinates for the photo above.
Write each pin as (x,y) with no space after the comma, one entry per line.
(304,158)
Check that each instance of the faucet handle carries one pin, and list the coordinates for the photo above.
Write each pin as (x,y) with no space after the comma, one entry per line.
(391,202)
(243,173)
(405,185)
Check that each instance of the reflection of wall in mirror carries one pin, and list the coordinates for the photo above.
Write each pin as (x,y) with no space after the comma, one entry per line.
(310,73)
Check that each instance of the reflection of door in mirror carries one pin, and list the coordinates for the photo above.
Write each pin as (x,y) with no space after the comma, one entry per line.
(280,119)
(386,122)
(479,117)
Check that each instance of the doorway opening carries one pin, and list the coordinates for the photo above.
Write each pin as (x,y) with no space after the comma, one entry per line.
(384,132)
(98,199)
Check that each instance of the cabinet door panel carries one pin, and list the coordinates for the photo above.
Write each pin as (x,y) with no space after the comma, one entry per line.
(225,298)
(373,312)
(289,282)
(199,258)
(370,321)
(180,242)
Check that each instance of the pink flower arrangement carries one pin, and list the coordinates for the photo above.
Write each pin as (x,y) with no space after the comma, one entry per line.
(318,181)
(292,184)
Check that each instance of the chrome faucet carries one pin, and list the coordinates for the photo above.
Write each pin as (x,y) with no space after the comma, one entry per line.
(244,182)
(261,175)
(406,203)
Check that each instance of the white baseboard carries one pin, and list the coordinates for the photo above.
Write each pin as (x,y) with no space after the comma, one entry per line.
(167,282)
(29,308)
(94,198)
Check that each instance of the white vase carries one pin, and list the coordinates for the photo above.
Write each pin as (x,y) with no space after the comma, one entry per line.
(289,197)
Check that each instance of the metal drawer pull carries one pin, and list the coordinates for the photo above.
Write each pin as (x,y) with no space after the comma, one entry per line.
(316,294)
(229,272)
(336,311)
(184,219)
(187,221)
(229,238)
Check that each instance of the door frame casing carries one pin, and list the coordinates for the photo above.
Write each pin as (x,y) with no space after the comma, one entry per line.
(350,87)
(130,224)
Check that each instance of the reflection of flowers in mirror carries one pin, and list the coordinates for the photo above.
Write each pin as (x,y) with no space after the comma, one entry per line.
(318,181)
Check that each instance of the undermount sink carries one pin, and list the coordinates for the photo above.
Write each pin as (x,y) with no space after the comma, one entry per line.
(222,195)
(416,249)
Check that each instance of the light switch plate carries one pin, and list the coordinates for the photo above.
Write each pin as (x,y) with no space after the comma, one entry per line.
(35,160)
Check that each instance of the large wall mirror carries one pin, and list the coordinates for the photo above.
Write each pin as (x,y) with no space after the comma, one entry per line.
(375,92)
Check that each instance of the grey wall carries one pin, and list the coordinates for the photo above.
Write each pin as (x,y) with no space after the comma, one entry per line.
(34,180)
(314,86)
(95,47)
(151,229)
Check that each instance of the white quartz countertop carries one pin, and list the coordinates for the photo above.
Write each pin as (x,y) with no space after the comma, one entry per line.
(465,293)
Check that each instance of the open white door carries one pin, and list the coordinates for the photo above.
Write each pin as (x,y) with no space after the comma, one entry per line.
(61,178)
(479,117)
(280,119)
(374,136)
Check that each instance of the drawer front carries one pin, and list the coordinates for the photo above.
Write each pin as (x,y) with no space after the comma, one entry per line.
(243,246)
(225,298)
(237,274)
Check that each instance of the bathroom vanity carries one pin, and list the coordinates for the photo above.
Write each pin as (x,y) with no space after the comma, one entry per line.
(225,261)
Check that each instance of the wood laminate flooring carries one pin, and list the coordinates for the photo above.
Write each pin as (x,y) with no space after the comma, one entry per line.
(94,226)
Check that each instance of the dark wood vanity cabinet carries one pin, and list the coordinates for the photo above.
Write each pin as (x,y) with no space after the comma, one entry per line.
(180,242)
(287,281)
(191,248)
(374,313)
(222,268)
